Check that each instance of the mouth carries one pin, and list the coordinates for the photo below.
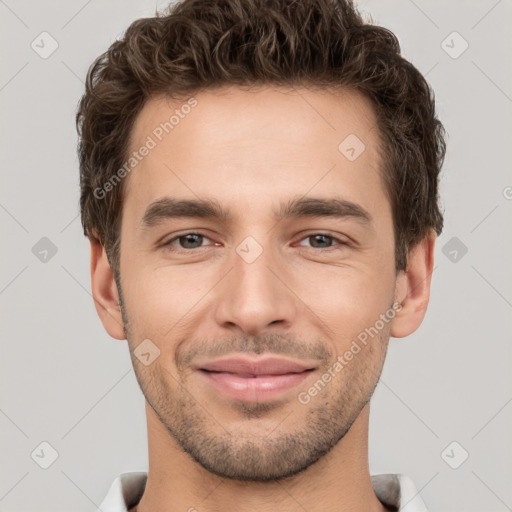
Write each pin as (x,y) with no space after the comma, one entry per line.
(254,380)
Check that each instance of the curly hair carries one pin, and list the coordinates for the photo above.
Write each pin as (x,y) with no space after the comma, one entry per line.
(200,44)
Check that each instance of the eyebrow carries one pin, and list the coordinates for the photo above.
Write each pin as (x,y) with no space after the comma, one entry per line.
(170,208)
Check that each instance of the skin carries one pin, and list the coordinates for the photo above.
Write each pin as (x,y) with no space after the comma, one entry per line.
(304,298)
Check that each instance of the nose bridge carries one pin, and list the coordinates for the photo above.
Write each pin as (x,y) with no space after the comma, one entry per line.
(252,296)
(255,268)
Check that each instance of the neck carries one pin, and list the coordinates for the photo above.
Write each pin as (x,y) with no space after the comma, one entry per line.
(339,481)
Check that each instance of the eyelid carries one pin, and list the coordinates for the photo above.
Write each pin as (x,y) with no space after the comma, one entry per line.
(339,241)
(183,234)
(343,241)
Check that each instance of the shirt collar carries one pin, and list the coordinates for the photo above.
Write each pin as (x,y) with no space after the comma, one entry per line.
(395,491)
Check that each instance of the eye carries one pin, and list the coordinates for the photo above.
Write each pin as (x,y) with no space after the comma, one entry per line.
(323,241)
(186,241)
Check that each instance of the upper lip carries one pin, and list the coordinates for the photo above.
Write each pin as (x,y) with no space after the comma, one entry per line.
(260,366)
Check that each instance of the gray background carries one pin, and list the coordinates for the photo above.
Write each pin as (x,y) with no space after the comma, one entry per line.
(66,382)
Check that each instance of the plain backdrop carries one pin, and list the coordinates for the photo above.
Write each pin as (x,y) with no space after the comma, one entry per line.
(445,392)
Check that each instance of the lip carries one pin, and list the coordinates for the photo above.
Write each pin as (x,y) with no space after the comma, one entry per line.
(254,380)
(259,366)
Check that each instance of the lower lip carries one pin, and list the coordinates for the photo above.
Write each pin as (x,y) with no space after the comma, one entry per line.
(254,389)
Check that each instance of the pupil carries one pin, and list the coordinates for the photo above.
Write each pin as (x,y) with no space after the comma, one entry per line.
(320,237)
(191,238)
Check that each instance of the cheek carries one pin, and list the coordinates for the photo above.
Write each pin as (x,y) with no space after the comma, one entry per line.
(158,300)
(347,300)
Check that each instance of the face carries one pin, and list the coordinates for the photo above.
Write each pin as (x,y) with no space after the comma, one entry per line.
(260,288)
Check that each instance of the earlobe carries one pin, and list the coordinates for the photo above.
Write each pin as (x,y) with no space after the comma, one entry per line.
(104,291)
(413,288)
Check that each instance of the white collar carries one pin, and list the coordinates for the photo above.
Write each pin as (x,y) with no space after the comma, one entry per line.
(393,490)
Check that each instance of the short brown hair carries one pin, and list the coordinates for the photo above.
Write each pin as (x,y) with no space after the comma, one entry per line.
(201,44)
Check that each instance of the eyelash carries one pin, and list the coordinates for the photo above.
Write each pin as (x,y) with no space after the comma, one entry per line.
(169,247)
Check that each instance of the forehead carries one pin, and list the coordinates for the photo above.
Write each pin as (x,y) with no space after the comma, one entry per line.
(237,144)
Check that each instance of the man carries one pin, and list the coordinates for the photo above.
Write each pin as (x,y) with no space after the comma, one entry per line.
(259,185)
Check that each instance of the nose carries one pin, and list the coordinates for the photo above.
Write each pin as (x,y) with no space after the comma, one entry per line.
(254,296)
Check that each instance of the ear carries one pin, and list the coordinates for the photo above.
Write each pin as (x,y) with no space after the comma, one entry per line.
(413,288)
(104,291)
